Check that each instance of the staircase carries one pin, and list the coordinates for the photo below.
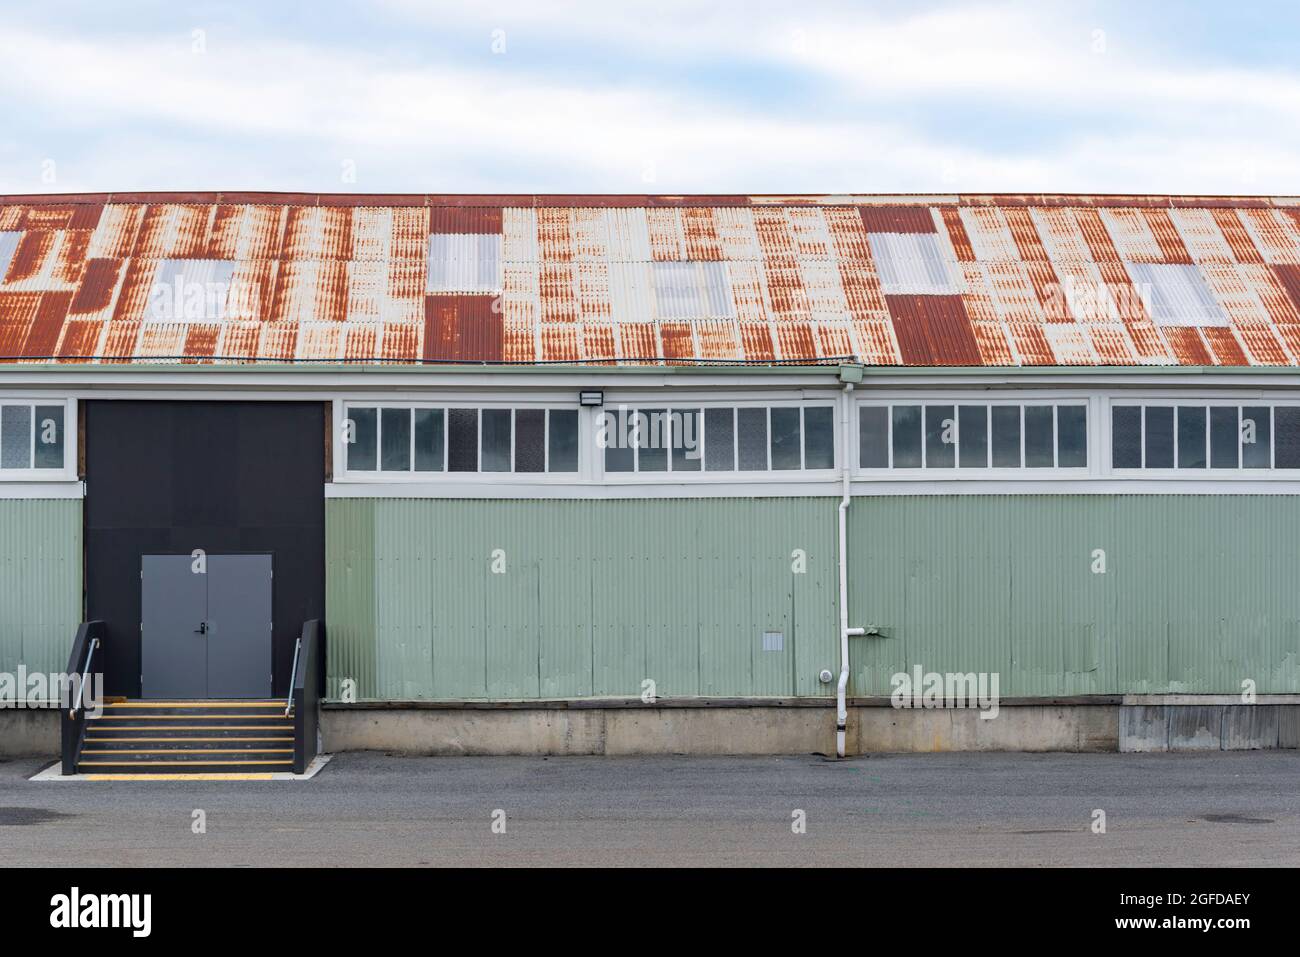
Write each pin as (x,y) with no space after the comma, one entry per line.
(188,737)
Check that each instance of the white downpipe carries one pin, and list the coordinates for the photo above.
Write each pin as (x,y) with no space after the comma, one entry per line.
(841,706)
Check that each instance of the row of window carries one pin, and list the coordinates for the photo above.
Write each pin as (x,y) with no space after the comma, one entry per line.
(973,436)
(958,437)
(1189,436)
(725,439)
(417,440)
(31,436)
(406,439)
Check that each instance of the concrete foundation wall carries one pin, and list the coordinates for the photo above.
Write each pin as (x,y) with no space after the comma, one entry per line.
(554,731)
(1208,727)
(26,732)
(793,726)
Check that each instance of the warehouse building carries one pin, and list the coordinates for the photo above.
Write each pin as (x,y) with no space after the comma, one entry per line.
(611,473)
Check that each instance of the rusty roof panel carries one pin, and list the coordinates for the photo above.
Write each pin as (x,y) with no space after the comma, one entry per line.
(1111,343)
(1188,346)
(47,328)
(933,330)
(1131,235)
(990,236)
(897,219)
(474,219)
(17,313)
(1276,235)
(1227,351)
(1238,237)
(1005,280)
(667,241)
(30,258)
(98,287)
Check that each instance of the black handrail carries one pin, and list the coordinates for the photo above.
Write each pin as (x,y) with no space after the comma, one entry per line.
(305,693)
(72,719)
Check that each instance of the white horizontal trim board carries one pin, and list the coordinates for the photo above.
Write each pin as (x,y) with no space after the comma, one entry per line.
(35,490)
(826,489)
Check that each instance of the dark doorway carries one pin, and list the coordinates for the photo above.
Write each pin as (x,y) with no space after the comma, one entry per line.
(233,479)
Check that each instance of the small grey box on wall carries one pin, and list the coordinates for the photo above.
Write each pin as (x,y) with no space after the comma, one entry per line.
(773,641)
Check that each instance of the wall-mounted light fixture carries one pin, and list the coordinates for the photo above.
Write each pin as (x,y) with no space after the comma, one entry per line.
(591,397)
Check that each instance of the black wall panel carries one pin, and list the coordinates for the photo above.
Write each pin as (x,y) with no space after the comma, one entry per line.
(170,477)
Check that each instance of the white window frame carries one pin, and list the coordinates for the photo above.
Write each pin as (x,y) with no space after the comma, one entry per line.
(342,474)
(1207,474)
(1023,473)
(68,472)
(591,457)
(736,475)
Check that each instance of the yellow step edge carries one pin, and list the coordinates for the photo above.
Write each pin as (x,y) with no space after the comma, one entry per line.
(196,704)
(189,717)
(166,764)
(99,751)
(199,776)
(91,729)
(173,740)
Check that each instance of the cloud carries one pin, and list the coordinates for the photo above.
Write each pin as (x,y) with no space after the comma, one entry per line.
(894,102)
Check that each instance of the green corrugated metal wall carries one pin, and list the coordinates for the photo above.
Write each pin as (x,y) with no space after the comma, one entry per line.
(596,597)
(40,582)
(1199,593)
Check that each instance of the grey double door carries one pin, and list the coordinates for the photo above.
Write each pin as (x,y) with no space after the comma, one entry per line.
(205,628)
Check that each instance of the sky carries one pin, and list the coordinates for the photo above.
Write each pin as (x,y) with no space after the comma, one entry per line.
(617,96)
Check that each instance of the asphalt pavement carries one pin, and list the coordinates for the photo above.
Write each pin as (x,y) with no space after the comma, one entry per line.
(363,809)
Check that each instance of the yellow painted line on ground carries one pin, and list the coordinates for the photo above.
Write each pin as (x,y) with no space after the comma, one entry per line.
(211,776)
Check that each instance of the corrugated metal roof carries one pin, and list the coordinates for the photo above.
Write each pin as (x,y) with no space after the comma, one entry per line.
(887,280)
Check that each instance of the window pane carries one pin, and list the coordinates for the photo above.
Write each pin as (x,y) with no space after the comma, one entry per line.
(907,436)
(940,436)
(428,440)
(1256,437)
(462,440)
(395,437)
(496,440)
(1006,436)
(1072,436)
(752,428)
(1191,436)
(16,437)
(652,447)
(1159,437)
(1286,437)
(719,440)
(364,433)
(1126,436)
(530,440)
(686,440)
(563,440)
(786,440)
(1225,439)
(973,429)
(49,436)
(616,433)
(1039,441)
(819,438)
(873,437)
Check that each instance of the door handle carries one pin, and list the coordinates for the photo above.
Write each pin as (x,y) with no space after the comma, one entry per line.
(202,629)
